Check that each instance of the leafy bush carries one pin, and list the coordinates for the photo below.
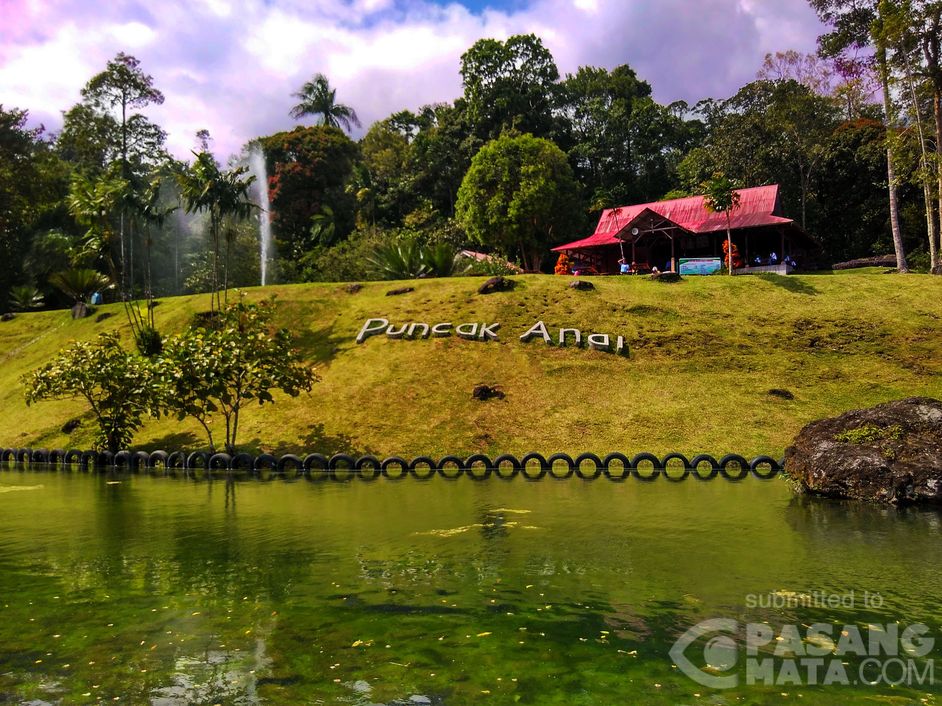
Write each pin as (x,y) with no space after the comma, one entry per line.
(25,297)
(81,283)
(222,362)
(408,259)
(118,386)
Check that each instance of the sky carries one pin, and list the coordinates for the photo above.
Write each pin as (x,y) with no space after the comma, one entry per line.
(231,66)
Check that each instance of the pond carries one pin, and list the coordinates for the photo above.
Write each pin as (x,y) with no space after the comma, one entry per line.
(151,589)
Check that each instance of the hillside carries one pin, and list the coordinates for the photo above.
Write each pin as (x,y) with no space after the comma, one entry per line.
(703,355)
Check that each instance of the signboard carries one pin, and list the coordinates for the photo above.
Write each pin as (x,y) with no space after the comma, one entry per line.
(700,265)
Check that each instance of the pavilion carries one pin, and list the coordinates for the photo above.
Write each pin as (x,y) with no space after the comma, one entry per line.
(683,235)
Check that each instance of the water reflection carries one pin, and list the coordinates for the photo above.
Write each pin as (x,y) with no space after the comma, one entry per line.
(175,591)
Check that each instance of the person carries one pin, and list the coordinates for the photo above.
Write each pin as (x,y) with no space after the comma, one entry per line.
(773,258)
(623,267)
(634,267)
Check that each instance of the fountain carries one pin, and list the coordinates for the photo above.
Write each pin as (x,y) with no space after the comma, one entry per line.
(257,168)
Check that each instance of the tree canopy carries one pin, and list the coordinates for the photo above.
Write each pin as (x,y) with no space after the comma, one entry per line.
(518,197)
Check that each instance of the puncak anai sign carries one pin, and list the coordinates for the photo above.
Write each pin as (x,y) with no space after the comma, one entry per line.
(484,331)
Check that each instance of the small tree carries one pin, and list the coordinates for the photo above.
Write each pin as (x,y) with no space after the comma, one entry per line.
(229,360)
(721,196)
(117,385)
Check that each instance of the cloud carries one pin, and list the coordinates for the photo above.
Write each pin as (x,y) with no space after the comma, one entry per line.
(232,65)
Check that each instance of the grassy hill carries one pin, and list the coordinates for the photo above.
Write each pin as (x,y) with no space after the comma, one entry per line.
(703,355)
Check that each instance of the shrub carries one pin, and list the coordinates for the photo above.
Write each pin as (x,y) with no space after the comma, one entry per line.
(118,386)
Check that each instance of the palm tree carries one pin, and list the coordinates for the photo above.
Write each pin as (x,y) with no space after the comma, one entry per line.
(721,196)
(319,99)
(205,187)
(80,283)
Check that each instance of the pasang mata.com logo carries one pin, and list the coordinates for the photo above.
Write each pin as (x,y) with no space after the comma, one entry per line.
(723,653)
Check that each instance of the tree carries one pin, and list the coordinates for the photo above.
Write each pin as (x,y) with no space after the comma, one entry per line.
(222,194)
(859,24)
(80,284)
(320,100)
(118,386)
(519,196)
(509,84)
(721,196)
(598,105)
(308,168)
(33,182)
(123,87)
(234,358)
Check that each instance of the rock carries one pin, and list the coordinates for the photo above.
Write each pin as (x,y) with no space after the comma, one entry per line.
(497,284)
(581,284)
(784,394)
(80,310)
(7,316)
(71,425)
(401,290)
(485,392)
(666,277)
(891,453)
(353,288)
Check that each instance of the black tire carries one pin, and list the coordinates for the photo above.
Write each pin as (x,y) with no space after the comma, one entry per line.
(157,457)
(478,458)
(368,468)
(242,462)
(596,472)
(775,468)
(197,459)
(704,458)
(640,458)
(39,456)
(264,461)
(176,460)
(514,463)
(72,457)
(729,459)
(350,464)
(220,462)
(670,457)
(316,466)
(291,460)
(533,456)
(395,461)
(139,459)
(561,457)
(423,461)
(445,461)
(626,464)
(56,457)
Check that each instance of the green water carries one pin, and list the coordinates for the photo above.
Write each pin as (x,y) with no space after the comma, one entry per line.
(139,589)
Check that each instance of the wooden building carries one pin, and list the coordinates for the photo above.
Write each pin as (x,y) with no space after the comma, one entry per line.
(664,233)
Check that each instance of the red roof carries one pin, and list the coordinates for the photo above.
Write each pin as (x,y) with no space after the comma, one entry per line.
(757,207)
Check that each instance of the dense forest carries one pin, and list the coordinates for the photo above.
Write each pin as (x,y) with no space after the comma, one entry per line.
(524,159)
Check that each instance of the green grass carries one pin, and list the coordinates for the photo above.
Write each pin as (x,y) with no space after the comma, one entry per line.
(704,354)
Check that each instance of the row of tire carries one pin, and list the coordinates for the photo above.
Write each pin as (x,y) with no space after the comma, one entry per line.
(533,466)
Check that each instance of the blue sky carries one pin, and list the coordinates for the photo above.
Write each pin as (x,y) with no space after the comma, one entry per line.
(231,65)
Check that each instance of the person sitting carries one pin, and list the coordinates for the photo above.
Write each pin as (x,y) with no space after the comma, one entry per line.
(773,258)
(634,267)
(623,267)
